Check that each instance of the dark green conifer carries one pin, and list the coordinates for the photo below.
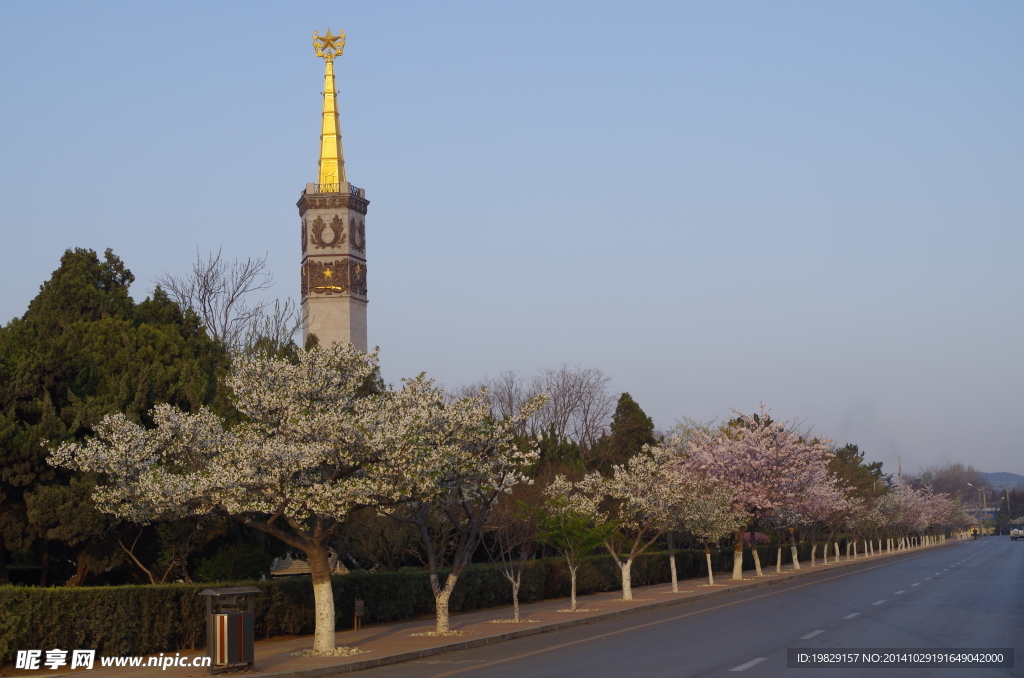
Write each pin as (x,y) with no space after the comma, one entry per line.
(631,429)
(83,350)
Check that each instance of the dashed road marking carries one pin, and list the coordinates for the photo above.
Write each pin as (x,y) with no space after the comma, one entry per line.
(918,584)
(851,615)
(927,578)
(898,593)
(752,662)
(878,602)
(812,634)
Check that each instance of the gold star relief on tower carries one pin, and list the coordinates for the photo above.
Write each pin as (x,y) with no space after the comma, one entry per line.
(328,273)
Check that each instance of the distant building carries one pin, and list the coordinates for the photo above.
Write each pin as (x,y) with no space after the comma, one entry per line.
(290,567)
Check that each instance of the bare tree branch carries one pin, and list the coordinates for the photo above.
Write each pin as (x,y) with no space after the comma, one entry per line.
(220,293)
(579,406)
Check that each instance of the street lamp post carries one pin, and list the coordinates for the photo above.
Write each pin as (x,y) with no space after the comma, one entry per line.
(984,506)
(1006,488)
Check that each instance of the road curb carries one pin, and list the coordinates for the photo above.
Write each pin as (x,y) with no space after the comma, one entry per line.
(401,657)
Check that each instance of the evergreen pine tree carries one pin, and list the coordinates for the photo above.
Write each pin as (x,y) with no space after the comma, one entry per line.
(82,350)
(631,429)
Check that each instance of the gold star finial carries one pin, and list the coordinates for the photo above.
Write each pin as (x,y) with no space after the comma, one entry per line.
(329,46)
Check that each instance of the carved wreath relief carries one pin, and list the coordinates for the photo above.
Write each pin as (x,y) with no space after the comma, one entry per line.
(358,278)
(328,277)
(358,230)
(340,276)
(337,232)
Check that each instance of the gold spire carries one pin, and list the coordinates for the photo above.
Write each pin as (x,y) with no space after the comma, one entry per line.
(332,160)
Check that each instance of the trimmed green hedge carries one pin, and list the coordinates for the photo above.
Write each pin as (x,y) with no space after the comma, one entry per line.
(139,620)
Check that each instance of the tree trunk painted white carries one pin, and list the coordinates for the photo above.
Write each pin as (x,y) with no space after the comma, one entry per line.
(323,600)
(757,560)
(670,542)
(711,576)
(814,547)
(824,552)
(737,555)
(837,551)
(441,597)
(795,555)
(778,560)
(515,600)
(627,579)
(572,589)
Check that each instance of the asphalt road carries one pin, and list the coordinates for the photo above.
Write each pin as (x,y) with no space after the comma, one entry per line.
(967,595)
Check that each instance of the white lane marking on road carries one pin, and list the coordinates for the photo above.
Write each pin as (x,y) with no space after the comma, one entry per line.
(898,593)
(927,578)
(812,634)
(752,662)
(878,602)
(464,661)
(851,615)
(915,584)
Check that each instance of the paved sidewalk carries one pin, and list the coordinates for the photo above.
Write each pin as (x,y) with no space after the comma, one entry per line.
(394,643)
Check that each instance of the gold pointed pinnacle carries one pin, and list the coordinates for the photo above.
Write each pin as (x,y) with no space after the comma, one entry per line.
(329,46)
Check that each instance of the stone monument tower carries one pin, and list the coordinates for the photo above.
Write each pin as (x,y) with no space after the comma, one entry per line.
(333,214)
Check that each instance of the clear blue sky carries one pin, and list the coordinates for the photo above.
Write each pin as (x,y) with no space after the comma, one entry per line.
(817,205)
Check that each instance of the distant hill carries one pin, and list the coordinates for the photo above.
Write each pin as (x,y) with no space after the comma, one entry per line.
(1003,478)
